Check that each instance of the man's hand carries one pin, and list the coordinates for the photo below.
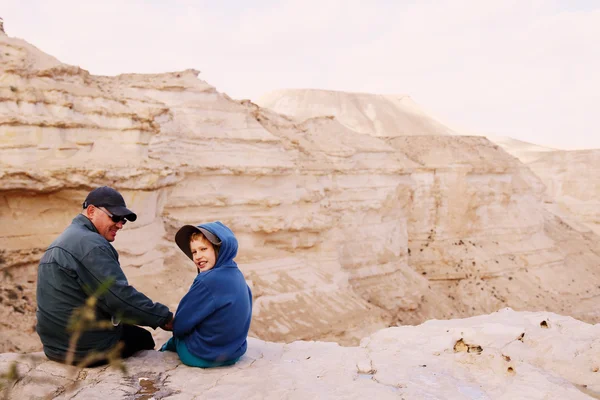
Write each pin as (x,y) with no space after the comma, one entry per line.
(169,325)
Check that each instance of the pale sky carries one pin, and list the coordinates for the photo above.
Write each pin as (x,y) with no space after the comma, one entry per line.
(525,69)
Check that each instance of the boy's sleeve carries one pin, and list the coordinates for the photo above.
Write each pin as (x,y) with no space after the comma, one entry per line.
(195,306)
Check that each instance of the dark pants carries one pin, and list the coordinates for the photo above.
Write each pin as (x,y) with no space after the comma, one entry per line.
(134,339)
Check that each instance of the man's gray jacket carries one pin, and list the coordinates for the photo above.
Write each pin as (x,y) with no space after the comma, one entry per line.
(78,261)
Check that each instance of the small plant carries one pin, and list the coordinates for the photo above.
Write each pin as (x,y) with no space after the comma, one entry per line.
(9,378)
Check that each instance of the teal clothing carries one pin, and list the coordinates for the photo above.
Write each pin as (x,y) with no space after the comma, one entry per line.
(178,346)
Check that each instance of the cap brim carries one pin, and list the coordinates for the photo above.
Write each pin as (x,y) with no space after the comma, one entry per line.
(121,211)
(182,238)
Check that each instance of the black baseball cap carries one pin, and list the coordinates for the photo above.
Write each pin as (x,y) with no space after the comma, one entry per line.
(182,238)
(110,199)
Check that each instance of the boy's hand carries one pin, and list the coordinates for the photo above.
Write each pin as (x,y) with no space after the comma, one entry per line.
(169,325)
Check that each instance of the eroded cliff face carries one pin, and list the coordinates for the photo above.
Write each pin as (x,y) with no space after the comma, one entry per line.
(341,233)
(480,227)
(483,236)
(572,179)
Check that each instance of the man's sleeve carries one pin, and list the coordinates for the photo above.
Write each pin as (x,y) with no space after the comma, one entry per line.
(195,306)
(99,266)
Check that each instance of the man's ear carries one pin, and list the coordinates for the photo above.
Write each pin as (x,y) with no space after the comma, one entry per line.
(89,211)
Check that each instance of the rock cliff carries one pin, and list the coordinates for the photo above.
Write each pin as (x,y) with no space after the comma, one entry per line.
(341,233)
(572,178)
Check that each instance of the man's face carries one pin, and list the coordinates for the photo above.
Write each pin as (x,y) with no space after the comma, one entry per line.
(203,254)
(103,223)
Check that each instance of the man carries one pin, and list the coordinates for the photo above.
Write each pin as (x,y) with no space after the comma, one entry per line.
(75,265)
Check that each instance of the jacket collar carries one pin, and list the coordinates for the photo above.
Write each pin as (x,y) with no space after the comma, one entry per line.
(84,221)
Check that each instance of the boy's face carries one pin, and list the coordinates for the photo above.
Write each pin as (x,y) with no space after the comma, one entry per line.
(203,254)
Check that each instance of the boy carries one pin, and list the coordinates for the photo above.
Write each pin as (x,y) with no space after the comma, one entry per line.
(212,321)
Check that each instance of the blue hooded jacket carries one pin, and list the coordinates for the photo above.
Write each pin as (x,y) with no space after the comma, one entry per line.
(213,318)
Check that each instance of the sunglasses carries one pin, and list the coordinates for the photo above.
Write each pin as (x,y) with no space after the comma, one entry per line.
(116,219)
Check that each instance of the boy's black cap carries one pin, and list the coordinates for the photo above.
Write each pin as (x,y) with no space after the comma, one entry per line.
(110,199)
(182,238)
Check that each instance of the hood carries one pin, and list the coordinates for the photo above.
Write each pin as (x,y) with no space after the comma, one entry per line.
(229,244)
